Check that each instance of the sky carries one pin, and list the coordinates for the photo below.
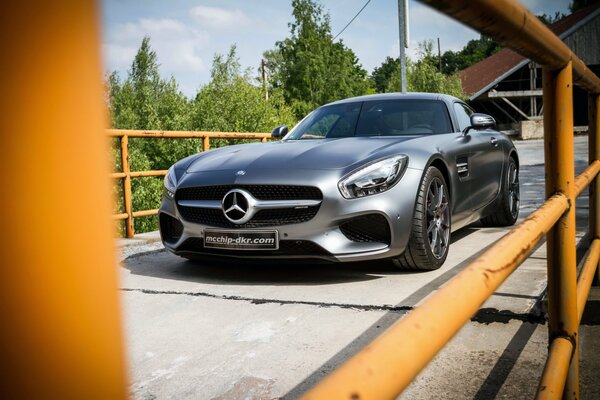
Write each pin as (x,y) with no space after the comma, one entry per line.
(186,34)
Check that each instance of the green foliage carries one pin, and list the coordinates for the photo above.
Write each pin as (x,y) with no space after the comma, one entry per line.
(382,75)
(309,66)
(549,19)
(576,5)
(145,101)
(231,103)
(228,103)
(475,51)
(424,75)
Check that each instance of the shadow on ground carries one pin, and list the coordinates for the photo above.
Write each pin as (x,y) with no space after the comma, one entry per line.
(162,264)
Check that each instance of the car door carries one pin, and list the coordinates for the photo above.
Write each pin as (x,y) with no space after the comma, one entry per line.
(462,208)
(486,160)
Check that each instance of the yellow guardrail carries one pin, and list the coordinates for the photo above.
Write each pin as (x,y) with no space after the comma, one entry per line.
(60,313)
(126,174)
(63,295)
(385,367)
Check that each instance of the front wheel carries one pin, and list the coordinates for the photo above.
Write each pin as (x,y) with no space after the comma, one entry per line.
(430,229)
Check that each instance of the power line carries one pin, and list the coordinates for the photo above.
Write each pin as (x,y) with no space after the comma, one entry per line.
(352,20)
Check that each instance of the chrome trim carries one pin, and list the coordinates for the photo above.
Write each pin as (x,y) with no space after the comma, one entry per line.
(201,203)
(258,204)
(272,204)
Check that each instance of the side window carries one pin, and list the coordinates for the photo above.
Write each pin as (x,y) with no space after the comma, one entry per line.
(463,114)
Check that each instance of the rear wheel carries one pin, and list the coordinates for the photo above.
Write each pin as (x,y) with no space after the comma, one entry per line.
(430,229)
(508,211)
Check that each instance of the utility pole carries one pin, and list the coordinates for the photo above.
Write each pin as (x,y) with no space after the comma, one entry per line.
(403,42)
(439,54)
(263,67)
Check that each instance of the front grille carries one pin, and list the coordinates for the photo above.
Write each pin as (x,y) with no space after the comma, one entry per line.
(263,218)
(260,192)
(303,248)
(170,228)
(275,217)
(367,228)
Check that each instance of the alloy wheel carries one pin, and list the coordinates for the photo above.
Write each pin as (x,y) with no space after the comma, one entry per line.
(438,218)
(513,190)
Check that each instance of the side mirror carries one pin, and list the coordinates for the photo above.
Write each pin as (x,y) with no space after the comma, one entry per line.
(480,121)
(279,132)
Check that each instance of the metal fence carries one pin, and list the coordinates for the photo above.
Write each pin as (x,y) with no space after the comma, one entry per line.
(385,367)
(126,174)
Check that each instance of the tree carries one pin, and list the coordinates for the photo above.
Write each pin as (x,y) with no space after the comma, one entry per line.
(231,103)
(579,4)
(309,66)
(382,75)
(424,75)
(145,101)
(474,51)
(549,19)
(228,103)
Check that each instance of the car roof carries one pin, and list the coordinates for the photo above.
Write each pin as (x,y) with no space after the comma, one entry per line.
(398,96)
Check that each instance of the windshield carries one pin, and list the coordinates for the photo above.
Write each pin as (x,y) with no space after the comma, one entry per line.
(375,118)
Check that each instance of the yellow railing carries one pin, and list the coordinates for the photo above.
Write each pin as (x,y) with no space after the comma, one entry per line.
(126,174)
(385,367)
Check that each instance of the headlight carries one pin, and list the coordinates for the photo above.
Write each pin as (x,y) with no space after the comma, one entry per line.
(171,182)
(373,178)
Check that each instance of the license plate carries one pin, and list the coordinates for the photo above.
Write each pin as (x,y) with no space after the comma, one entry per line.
(241,240)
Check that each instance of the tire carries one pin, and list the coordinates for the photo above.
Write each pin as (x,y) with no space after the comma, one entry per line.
(507,212)
(430,229)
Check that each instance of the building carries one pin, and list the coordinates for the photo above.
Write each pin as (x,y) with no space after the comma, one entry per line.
(508,86)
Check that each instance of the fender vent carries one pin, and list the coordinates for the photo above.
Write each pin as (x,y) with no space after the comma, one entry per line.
(462,166)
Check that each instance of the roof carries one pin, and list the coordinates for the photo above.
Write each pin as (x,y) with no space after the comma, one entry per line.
(481,76)
(398,96)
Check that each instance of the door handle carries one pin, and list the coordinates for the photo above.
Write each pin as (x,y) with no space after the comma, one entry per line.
(494,141)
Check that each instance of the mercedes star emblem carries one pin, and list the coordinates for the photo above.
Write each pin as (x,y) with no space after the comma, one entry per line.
(236,206)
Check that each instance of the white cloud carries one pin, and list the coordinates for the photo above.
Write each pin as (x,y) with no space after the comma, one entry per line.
(179,47)
(219,18)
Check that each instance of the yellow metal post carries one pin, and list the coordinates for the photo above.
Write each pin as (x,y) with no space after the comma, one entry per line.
(127,186)
(590,266)
(560,177)
(552,384)
(511,24)
(386,366)
(594,154)
(59,310)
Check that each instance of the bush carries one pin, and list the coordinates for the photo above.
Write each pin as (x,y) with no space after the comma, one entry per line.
(228,103)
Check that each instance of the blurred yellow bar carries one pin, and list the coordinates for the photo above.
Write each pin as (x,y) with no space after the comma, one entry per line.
(61,333)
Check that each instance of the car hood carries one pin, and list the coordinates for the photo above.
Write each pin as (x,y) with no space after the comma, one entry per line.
(297,154)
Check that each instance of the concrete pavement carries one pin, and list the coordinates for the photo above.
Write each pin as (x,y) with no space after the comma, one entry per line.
(231,331)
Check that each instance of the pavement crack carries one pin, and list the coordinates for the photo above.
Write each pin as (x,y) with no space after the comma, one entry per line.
(483,316)
(252,300)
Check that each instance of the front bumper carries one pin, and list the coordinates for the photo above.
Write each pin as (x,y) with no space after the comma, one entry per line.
(333,234)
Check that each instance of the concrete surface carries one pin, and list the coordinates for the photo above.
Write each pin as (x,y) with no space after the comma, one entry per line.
(531,129)
(252,331)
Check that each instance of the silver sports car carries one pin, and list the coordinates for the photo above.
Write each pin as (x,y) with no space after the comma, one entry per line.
(385,176)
